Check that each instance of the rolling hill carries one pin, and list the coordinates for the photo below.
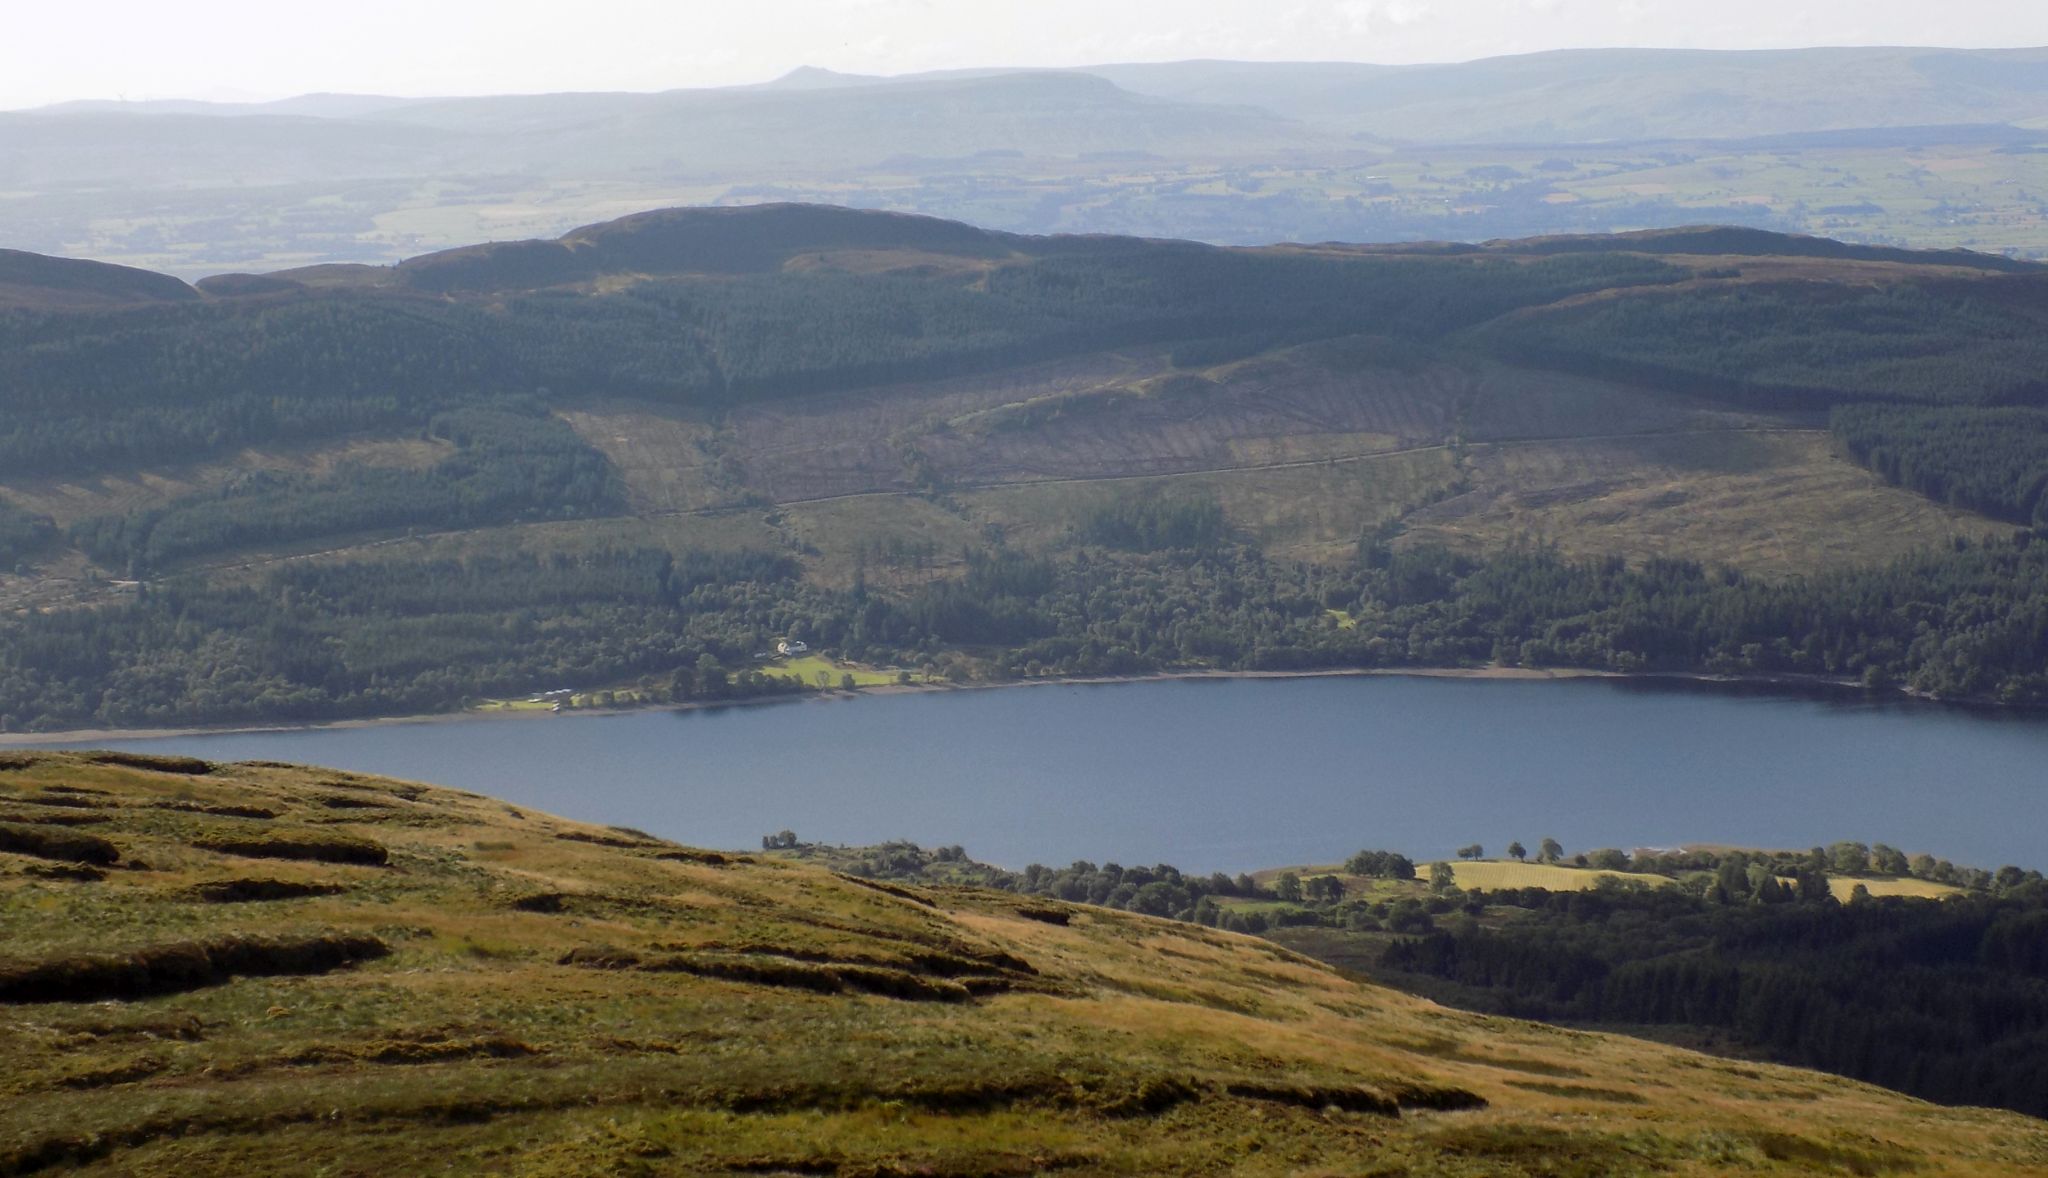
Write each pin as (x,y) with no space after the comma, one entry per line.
(1608,95)
(34,281)
(224,968)
(684,432)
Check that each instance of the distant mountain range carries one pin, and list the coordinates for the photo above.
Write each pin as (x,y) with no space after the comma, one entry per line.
(1564,97)
(1228,152)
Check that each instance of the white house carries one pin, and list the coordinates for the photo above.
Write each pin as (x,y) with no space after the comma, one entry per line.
(786,647)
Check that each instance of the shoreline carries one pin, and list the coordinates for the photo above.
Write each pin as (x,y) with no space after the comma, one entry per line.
(1787,683)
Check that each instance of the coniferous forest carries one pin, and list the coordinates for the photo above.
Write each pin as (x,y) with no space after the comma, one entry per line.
(1933,381)
(324,640)
(1947,1001)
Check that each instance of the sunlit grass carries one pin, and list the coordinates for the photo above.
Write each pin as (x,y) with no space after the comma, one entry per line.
(544,1009)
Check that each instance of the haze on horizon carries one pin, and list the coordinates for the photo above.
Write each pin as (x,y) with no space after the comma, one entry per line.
(253,50)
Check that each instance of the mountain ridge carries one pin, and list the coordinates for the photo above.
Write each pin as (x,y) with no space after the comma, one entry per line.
(1360,96)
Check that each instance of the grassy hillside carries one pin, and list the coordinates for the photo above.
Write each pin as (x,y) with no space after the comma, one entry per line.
(215,969)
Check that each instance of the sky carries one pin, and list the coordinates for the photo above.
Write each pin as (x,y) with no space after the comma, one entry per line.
(55,50)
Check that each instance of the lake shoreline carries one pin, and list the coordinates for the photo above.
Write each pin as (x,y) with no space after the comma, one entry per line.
(1795,684)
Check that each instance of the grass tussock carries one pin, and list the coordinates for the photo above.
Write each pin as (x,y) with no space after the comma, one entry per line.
(1806,1153)
(702,858)
(1543,1150)
(1350,1100)
(1580,1092)
(56,819)
(125,1073)
(352,802)
(67,845)
(155,763)
(542,902)
(65,872)
(403,791)
(320,848)
(620,842)
(248,891)
(182,966)
(888,889)
(775,1018)
(423,1050)
(65,799)
(818,977)
(1409,1094)
(219,811)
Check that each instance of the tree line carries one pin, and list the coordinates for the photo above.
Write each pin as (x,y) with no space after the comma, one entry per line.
(1988,460)
(1945,1000)
(400,636)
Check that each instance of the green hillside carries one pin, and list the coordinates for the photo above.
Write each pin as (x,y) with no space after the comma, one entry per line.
(228,969)
(629,459)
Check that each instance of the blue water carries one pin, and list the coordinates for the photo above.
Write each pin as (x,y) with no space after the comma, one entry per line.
(1234,774)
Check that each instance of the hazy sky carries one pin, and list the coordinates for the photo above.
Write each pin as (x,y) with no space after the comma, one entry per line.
(52,50)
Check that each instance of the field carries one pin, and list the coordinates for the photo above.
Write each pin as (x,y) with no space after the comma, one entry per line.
(814,671)
(809,667)
(255,968)
(1494,875)
(1843,886)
